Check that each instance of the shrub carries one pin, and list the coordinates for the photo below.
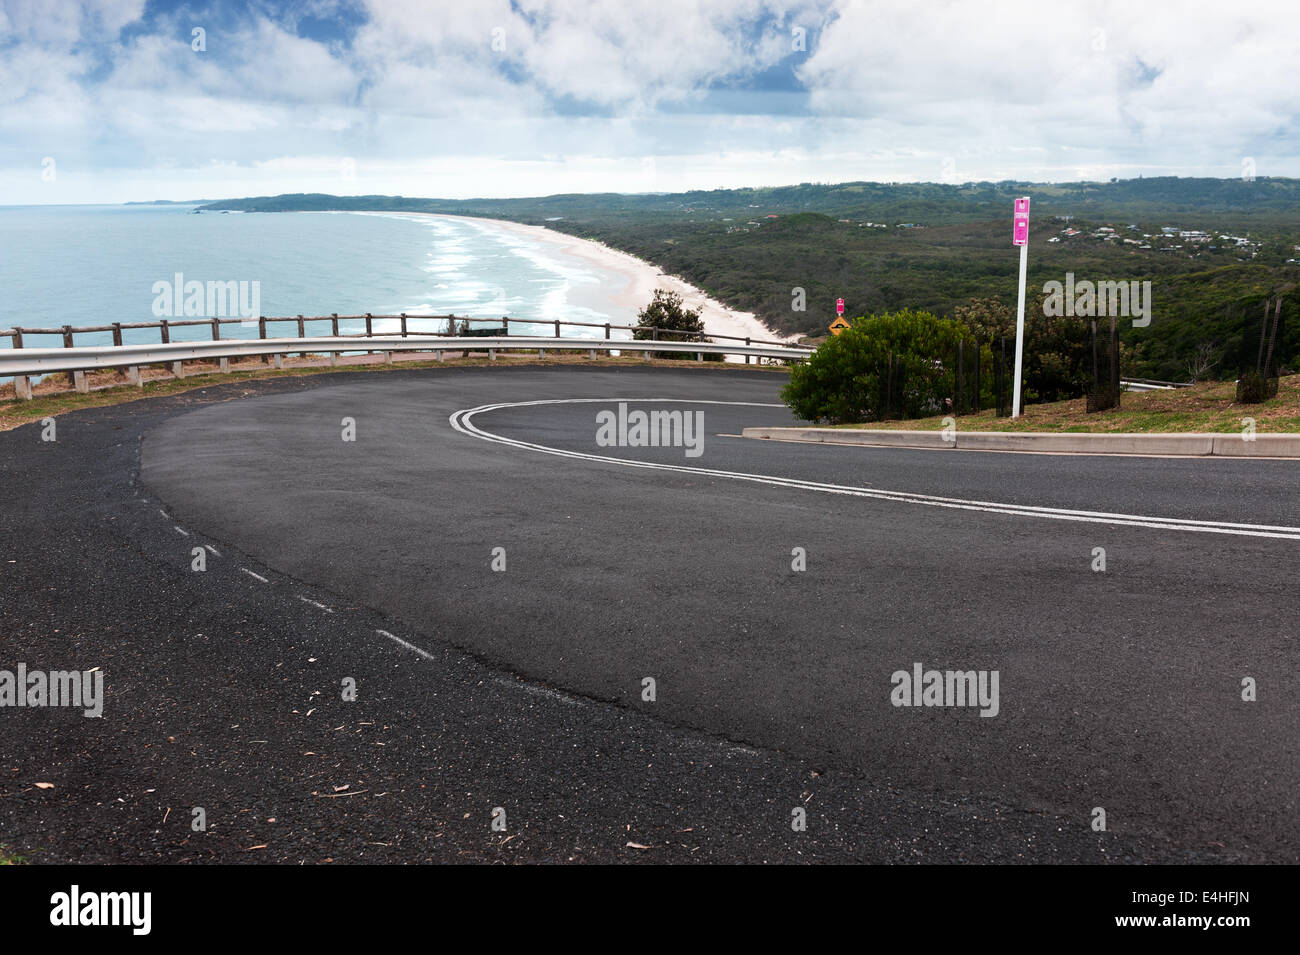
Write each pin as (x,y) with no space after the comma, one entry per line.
(899,365)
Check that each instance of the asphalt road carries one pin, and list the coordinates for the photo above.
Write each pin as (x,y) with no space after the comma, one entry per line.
(523,688)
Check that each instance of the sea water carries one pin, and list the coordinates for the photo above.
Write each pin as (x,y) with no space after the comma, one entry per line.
(94,265)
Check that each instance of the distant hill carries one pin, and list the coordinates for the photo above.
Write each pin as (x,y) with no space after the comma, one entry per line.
(885,246)
(928,203)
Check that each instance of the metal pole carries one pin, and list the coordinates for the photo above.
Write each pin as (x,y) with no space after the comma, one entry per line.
(1020,334)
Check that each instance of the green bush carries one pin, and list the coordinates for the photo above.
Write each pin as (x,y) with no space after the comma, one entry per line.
(899,365)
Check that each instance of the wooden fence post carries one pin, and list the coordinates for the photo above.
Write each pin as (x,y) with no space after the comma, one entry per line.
(117,341)
(67,343)
(22,384)
(222,363)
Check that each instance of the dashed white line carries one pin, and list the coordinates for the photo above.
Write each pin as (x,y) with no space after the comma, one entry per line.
(215,552)
(180,530)
(254,576)
(319,606)
(410,646)
(541,691)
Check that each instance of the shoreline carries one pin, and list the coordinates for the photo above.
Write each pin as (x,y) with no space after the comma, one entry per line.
(640,279)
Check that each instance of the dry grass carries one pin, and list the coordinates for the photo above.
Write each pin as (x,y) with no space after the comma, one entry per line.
(1209,407)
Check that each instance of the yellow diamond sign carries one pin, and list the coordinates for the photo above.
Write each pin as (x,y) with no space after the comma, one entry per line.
(838,326)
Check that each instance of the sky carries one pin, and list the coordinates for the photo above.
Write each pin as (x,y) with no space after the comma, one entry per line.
(121,100)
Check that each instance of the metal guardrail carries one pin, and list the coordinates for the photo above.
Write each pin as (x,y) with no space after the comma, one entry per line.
(24,362)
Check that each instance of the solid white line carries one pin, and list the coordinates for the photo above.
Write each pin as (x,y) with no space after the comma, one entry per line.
(410,646)
(461,422)
(256,576)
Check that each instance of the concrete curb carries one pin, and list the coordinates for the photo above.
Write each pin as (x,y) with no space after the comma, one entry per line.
(1182,445)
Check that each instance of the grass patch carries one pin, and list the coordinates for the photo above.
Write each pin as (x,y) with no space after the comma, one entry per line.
(9,857)
(1205,408)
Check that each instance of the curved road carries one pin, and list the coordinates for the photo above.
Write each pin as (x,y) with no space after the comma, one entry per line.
(372,560)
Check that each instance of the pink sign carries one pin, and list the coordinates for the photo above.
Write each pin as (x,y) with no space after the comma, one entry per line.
(1020,223)
(839,306)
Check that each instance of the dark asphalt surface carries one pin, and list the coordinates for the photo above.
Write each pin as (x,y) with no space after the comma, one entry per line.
(1119,690)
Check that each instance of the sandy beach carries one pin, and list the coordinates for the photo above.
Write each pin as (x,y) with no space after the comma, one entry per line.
(628,283)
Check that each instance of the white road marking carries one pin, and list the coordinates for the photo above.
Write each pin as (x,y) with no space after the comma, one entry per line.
(528,688)
(410,646)
(215,552)
(319,606)
(541,691)
(180,530)
(461,422)
(254,576)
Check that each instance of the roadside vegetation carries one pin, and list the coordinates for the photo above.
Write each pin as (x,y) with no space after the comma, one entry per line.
(9,857)
(882,367)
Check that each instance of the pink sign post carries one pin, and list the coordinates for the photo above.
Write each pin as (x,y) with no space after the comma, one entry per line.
(839,306)
(1020,237)
(1020,223)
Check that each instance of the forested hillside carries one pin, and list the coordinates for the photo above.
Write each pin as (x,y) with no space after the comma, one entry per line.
(884,247)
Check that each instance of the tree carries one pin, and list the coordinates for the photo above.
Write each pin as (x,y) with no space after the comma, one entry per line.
(1057,362)
(672,320)
(1202,361)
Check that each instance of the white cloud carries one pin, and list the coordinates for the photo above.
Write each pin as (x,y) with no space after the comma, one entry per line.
(583,91)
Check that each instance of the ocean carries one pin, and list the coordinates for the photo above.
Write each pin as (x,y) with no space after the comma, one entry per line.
(93,265)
